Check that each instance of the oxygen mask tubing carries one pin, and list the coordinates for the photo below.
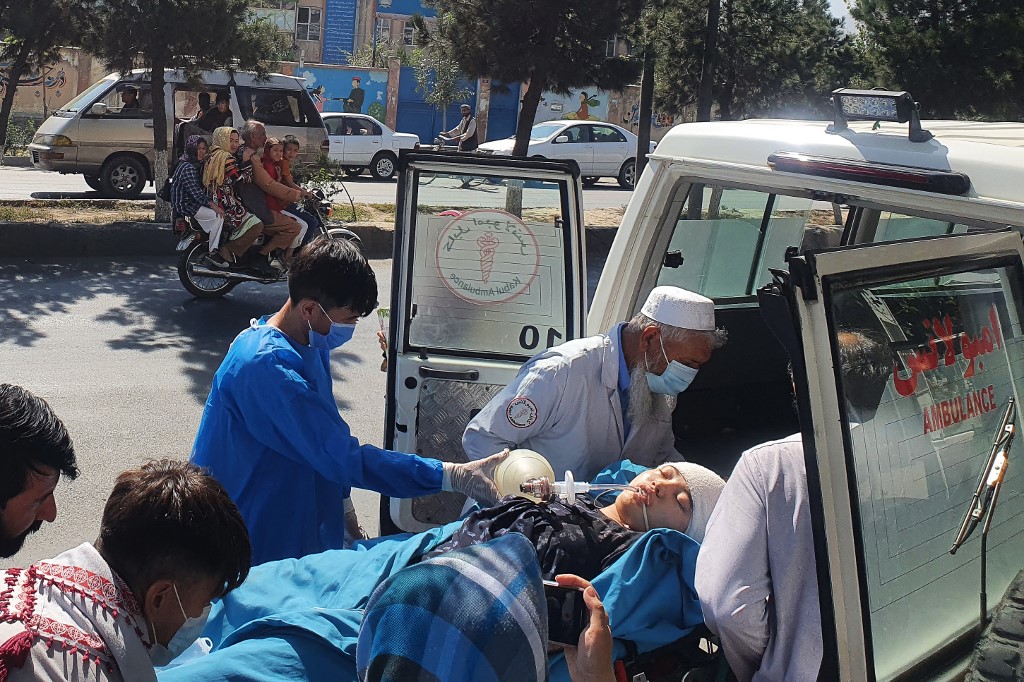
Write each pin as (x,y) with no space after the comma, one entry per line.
(543,488)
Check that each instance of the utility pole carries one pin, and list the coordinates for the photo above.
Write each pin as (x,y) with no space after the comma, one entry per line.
(707,71)
(645,111)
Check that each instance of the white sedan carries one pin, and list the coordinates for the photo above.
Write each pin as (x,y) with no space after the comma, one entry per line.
(601,149)
(361,142)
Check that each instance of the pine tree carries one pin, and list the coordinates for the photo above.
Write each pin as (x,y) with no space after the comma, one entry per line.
(556,45)
(190,35)
(30,41)
(959,59)
(438,75)
(774,57)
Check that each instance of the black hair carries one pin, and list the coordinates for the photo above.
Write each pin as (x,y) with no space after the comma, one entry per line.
(204,96)
(171,520)
(31,437)
(335,273)
(292,140)
(223,97)
(866,363)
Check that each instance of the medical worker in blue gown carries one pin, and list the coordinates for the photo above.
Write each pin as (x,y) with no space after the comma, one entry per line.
(271,432)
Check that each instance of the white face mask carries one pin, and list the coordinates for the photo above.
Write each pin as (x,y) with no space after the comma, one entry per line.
(186,635)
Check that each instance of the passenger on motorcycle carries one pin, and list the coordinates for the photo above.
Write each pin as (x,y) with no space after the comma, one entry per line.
(273,158)
(254,186)
(219,177)
(312,218)
(188,197)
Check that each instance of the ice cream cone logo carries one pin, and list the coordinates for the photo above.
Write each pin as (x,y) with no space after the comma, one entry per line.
(488,244)
(486,256)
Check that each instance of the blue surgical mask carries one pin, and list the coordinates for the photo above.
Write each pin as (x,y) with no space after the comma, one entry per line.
(338,336)
(674,380)
(186,635)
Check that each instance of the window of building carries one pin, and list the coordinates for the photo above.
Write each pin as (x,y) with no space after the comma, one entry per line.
(409,34)
(611,46)
(307,27)
(383,29)
(281,13)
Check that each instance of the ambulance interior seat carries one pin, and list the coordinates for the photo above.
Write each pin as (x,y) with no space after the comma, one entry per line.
(743,396)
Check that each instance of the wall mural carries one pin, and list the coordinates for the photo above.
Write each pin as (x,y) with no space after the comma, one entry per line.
(50,82)
(579,105)
(359,91)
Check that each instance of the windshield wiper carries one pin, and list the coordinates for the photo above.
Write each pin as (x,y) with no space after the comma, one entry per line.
(986,496)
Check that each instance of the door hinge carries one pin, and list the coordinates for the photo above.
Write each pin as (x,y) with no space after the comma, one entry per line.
(802,272)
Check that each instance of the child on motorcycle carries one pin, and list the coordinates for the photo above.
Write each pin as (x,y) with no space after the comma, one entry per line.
(291,152)
(273,159)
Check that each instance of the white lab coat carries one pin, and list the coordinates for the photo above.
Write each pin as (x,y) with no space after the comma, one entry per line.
(564,404)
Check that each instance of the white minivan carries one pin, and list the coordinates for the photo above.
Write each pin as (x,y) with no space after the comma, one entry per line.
(799,231)
(106,133)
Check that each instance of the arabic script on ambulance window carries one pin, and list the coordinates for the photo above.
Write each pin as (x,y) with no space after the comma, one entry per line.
(954,355)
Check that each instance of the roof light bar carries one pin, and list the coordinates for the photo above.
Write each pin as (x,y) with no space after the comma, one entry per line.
(877,105)
(907,177)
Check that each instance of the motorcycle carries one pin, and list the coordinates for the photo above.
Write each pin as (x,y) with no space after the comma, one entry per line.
(202,280)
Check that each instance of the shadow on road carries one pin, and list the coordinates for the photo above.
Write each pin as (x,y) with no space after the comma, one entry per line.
(145,196)
(143,307)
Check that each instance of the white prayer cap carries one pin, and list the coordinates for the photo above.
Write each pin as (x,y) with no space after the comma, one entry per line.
(705,489)
(680,308)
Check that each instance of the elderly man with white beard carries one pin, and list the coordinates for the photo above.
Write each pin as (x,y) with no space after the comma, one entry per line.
(593,401)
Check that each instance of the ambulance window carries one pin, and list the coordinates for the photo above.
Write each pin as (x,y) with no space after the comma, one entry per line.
(931,363)
(895,226)
(489,277)
(730,240)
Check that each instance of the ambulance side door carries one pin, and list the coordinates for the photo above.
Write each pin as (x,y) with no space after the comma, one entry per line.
(488,270)
(897,436)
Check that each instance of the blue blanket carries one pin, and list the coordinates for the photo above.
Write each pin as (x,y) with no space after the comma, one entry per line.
(299,619)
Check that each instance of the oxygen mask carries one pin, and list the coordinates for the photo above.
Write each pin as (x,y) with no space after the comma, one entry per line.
(544,488)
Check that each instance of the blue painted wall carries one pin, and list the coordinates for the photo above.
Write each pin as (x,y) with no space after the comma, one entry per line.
(504,112)
(339,30)
(418,117)
(408,7)
(331,87)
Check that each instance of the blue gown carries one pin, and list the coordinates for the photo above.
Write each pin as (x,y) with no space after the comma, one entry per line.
(272,435)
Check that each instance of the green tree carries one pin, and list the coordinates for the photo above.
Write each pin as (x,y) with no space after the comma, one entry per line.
(959,59)
(379,56)
(30,40)
(556,45)
(773,57)
(438,75)
(189,35)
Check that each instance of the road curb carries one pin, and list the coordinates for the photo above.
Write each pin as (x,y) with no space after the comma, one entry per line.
(130,239)
(17,161)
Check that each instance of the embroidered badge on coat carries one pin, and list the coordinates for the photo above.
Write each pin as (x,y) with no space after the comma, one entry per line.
(521,412)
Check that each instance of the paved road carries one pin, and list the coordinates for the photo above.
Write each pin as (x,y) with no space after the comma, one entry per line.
(126,357)
(28,183)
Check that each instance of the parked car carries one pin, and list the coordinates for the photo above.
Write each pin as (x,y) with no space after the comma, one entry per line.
(600,149)
(362,142)
(800,231)
(111,144)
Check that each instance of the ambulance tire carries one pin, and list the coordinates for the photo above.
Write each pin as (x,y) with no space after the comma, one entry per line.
(999,654)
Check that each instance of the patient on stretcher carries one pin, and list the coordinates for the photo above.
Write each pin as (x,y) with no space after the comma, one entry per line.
(585,537)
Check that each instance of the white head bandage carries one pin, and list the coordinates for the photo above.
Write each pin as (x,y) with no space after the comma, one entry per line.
(705,489)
